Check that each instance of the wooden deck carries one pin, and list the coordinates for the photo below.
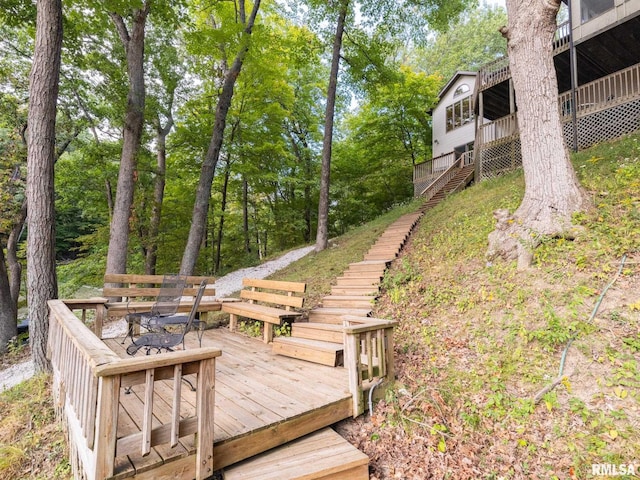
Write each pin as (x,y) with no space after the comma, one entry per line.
(262,400)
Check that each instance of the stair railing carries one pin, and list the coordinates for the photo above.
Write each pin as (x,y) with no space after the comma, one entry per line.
(441,181)
(369,355)
(88,381)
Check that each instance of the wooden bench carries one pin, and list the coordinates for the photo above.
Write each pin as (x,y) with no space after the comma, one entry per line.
(138,293)
(271,294)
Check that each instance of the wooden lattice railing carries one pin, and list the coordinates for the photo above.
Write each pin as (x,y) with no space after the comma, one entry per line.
(88,380)
(369,355)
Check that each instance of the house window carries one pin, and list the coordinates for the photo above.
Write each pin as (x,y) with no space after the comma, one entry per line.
(464,88)
(460,113)
(590,9)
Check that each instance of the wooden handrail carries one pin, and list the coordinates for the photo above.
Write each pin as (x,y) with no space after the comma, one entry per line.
(368,355)
(88,379)
(441,181)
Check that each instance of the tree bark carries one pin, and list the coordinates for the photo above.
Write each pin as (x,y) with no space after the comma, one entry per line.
(203,192)
(158,195)
(223,209)
(323,204)
(552,191)
(133,43)
(43,94)
(8,313)
(245,215)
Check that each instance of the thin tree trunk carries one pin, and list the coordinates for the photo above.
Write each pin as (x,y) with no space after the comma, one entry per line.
(158,196)
(43,94)
(203,192)
(223,209)
(133,43)
(8,312)
(552,193)
(245,215)
(323,204)
(13,264)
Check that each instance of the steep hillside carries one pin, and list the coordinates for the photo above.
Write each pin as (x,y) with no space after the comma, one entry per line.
(478,343)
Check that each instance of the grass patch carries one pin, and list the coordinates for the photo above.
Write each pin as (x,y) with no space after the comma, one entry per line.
(31,442)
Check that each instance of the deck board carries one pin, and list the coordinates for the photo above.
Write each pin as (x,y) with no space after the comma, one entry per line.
(262,400)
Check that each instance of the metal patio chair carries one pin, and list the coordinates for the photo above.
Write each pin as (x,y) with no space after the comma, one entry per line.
(169,331)
(166,304)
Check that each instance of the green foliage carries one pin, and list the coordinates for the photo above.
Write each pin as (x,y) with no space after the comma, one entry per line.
(470,43)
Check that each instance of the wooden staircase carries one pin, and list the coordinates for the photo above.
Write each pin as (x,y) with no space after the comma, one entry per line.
(325,455)
(461,179)
(321,339)
(322,455)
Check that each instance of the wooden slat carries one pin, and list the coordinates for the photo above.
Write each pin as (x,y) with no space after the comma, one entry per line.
(273,298)
(151,279)
(130,292)
(259,312)
(275,285)
(175,407)
(148,413)
(318,455)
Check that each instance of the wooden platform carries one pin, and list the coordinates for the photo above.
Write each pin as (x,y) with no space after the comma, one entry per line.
(323,455)
(262,400)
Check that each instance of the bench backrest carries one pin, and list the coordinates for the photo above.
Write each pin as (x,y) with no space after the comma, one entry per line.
(134,286)
(274,292)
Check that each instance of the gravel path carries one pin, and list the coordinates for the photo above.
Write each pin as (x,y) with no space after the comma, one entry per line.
(224,286)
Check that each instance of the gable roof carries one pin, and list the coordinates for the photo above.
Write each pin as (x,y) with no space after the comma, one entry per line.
(454,79)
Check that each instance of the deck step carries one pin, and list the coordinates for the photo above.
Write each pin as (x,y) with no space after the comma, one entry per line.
(348,301)
(368,266)
(358,281)
(354,290)
(323,455)
(326,332)
(324,353)
(334,315)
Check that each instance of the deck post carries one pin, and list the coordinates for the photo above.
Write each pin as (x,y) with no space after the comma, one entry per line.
(352,360)
(205,408)
(106,425)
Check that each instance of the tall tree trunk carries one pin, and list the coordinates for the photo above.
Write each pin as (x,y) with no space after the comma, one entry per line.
(43,95)
(133,43)
(552,191)
(323,204)
(245,215)
(223,209)
(158,196)
(203,192)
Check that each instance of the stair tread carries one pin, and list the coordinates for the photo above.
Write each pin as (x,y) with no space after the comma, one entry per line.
(334,327)
(317,455)
(306,342)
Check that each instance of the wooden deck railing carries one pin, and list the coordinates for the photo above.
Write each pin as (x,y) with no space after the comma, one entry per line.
(561,38)
(369,355)
(88,380)
(441,181)
(503,127)
(614,89)
(425,173)
(498,71)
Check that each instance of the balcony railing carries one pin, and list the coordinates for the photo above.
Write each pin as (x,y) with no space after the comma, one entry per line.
(498,71)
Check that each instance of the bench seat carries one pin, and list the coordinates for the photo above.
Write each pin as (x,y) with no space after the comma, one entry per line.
(260,312)
(272,294)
